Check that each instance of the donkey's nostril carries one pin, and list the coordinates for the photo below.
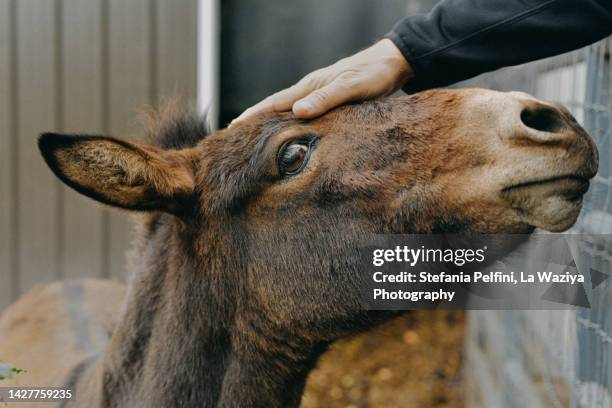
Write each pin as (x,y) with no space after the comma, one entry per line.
(542,118)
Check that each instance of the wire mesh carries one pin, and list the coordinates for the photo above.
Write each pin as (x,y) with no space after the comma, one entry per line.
(556,358)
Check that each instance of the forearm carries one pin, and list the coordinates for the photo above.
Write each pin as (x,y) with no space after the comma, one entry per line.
(459,39)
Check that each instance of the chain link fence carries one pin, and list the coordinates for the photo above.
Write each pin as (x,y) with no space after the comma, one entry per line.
(556,358)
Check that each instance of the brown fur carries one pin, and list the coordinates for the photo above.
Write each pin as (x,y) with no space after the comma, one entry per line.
(243,277)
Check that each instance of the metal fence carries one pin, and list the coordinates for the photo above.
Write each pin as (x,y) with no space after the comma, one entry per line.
(556,358)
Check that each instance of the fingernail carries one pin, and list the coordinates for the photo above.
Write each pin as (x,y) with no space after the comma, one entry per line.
(236,120)
(305,105)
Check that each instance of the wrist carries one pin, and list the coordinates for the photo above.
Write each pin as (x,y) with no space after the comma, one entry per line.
(395,59)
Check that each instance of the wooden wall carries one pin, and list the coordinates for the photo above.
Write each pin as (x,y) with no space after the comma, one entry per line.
(78,66)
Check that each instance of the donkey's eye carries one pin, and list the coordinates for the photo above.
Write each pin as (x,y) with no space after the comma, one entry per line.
(293,156)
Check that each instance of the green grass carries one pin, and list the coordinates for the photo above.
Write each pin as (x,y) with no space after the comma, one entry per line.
(7,371)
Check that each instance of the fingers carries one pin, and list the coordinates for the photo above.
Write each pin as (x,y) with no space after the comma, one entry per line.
(278,102)
(325,99)
(305,102)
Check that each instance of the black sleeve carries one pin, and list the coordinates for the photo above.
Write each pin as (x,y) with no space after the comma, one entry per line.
(459,39)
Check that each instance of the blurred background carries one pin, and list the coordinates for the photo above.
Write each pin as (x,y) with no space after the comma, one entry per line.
(89,66)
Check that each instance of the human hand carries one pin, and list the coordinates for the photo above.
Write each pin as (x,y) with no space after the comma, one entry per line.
(376,71)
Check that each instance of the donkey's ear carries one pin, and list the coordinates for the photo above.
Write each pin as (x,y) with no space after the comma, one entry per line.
(120,173)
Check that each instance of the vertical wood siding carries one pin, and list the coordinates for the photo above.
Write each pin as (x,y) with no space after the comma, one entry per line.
(7,140)
(78,66)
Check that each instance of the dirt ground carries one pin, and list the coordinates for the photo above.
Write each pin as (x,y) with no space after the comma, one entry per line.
(413,361)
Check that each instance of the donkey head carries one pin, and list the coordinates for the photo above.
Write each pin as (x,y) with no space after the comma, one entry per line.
(278,204)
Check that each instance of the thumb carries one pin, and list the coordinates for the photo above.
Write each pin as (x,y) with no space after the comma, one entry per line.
(323,100)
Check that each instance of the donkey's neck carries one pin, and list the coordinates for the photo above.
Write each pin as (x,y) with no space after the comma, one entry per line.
(182,342)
